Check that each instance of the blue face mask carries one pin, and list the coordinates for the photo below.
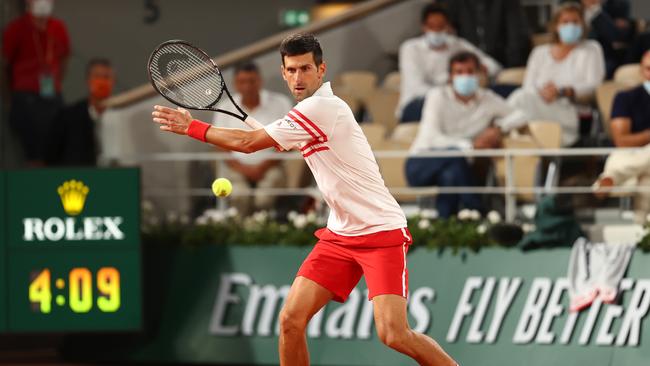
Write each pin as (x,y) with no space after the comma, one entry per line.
(436,39)
(646,85)
(570,33)
(465,85)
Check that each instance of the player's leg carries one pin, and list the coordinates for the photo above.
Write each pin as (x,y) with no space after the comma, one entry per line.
(329,272)
(394,331)
(304,300)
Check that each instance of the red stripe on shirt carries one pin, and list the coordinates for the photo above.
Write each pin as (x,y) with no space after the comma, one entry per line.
(312,124)
(322,148)
(295,119)
(310,145)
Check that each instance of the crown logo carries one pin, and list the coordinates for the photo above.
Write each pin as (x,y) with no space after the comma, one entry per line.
(73,196)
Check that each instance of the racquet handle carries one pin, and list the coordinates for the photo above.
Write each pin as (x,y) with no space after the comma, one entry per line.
(253,123)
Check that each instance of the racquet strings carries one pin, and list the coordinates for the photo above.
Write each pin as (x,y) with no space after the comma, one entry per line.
(185,75)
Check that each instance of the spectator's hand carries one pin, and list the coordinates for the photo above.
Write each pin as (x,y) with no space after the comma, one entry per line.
(172,120)
(549,92)
(490,138)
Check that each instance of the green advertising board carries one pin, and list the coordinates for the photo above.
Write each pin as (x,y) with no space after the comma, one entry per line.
(3,257)
(71,250)
(496,307)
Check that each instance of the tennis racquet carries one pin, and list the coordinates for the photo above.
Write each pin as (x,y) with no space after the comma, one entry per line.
(186,76)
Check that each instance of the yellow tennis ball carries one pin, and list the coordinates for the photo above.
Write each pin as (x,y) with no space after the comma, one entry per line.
(221,187)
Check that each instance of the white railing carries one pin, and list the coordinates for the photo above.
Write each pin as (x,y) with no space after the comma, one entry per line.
(509,190)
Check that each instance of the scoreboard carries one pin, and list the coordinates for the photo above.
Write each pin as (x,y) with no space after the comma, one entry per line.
(70,250)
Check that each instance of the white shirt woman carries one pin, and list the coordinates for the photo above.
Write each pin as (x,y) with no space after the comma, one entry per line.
(558,73)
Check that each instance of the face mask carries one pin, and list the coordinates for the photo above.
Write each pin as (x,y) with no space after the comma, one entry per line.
(646,85)
(436,39)
(100,88)
(42,8)
(570,33)
(465,85)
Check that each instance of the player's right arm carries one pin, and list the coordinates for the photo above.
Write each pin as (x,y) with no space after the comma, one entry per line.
(179,121)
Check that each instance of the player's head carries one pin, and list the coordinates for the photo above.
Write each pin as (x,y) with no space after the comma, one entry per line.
(302,64)
(100,78)
(248,81)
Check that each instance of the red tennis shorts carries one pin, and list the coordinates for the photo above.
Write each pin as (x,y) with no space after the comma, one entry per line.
(337,262)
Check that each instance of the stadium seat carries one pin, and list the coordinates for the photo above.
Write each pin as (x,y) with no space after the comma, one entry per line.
(359,84)
(392,170)
(405,133)
(511,76)
(392,81)
(381,105)
(605,94)
(629,74)
(541,134)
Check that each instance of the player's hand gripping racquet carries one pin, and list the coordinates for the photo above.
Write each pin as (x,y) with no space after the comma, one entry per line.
(188,77)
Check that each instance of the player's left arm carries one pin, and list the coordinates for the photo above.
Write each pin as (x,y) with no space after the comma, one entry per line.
(179,120)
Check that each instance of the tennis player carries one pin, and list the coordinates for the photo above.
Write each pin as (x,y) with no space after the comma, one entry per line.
(366,231)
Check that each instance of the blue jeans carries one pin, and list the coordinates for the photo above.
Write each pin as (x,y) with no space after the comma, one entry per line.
(412,111)
(444,172)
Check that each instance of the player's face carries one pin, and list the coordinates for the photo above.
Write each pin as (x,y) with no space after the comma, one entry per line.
(302,75)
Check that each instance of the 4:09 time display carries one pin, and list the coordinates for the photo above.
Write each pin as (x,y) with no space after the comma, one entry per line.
(83,290)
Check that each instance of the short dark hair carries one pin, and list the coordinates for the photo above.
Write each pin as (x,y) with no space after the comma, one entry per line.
(246,66)
(97,61)
(299,44)
(464,56)
(433,9)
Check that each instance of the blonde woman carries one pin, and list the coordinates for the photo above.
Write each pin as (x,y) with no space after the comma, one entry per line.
(559,73)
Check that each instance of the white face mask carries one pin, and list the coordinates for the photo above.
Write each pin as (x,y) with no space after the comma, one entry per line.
(436,39)
(42,8)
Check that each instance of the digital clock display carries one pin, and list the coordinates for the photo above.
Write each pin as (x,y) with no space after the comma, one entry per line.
(70,250)
(81,287)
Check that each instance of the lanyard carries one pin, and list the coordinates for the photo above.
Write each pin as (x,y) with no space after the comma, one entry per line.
(44,61)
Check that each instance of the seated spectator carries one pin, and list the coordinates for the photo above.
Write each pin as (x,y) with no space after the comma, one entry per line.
(253,170)
(630,119)
(75,137)
(463,116)
(423,61)
(558,74)
(35,50)
(497,27)
(630,126)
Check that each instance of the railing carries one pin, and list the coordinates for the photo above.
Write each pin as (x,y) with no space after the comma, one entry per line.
(509,190)
(272,42)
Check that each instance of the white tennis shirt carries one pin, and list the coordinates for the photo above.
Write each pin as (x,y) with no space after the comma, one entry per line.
(323,128)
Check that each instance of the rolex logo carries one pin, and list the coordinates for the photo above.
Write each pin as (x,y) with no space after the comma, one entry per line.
(73,196)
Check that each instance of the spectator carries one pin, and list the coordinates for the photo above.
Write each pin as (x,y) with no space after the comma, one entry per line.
(75,138)
(630,127)
(254,170)
(461,116)
(610,25)
(35,51)
(423,61)
(639,47)
(558,74)
(630,119)
(498,27)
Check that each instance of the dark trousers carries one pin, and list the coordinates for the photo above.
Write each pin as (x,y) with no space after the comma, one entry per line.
(444,172)
(31,117)
(412,111)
